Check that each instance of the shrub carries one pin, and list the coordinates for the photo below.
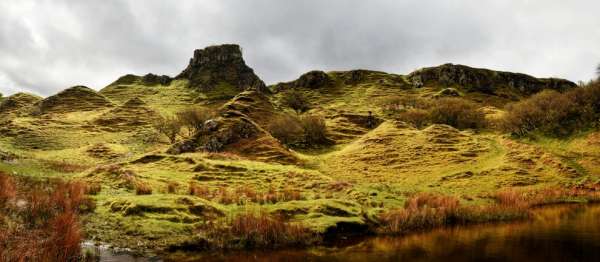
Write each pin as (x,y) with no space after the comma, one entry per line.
(142,189)
(169,127)
(315,130)
(193,119)
(286,129)
(457,112)
(305,131)
(296,101)
(550,112)
(417,117)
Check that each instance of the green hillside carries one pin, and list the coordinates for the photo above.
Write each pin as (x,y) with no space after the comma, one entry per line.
(158,194)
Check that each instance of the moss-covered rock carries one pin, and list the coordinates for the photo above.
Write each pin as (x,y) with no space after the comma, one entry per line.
(485,80)
(213,65)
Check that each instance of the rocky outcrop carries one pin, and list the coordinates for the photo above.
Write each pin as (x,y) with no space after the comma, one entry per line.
(214,65)
(77,98)
(312,80)
(485,80)
(152,79)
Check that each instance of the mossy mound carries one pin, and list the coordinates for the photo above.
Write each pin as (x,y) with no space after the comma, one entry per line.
(485,80)
(312,80)
(253,104)
(77,98)
(133,114)
(360,76)
(147,80)
(18,103)
(395,148)
(240,130)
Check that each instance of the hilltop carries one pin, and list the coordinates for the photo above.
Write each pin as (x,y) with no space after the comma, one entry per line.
(359,144)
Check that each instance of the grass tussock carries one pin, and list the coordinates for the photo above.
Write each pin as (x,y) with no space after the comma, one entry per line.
(426,211)
(142,188)
(259,230)
(172,187)
(40,220)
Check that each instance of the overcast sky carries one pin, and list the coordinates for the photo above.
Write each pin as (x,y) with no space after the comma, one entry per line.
(48,45)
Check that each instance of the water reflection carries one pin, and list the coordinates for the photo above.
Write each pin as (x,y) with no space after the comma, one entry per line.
(561,233)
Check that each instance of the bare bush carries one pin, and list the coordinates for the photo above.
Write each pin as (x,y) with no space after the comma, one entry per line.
(417,117)
(169,127)
(286,129)
(315,130)
(552,113)
(193,119)
(457,112)
(296,101)
(305,131)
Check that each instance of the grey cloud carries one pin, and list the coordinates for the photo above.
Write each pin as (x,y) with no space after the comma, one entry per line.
(46,45)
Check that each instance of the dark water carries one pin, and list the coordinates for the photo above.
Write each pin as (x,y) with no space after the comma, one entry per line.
(561,233)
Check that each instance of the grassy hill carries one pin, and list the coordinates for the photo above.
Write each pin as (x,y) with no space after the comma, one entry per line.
(156,194)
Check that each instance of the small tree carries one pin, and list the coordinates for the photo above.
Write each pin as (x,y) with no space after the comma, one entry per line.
(193,119)
(168,126)
(598,71)
(296,101)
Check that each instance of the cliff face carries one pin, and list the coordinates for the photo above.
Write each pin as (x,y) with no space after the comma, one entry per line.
(484,80)
(221,64)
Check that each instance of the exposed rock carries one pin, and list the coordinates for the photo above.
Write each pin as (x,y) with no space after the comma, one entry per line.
(484,80)
(18,103)
(214,65)
(77,98)
(313,80)
(360,76)
(152,79)
(237,131)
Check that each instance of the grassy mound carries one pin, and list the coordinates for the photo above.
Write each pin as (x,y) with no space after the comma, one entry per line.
(133,114)
(18,103)
(74,99)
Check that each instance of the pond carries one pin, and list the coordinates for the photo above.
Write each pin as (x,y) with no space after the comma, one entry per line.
(557,233)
